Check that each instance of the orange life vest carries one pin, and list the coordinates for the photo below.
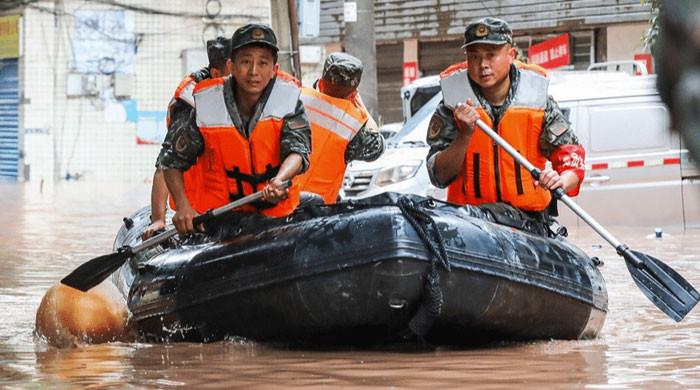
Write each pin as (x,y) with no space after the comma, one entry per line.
(233,166)
(488,173)
(191,177)
(334,123)
(287,77)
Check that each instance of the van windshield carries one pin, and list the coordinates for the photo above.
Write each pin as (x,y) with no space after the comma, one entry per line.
(416,128)
(423,95)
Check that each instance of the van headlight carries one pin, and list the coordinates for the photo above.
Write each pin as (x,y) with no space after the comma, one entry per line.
(397,173)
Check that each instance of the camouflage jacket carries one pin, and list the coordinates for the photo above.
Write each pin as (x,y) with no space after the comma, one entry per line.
(179,112)
(556,129)
(367,145)
(184,142)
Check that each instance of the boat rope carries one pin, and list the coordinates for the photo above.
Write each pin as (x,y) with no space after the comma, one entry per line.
(432,301)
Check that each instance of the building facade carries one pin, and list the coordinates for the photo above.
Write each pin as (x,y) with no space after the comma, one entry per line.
(85,84)
(422,38)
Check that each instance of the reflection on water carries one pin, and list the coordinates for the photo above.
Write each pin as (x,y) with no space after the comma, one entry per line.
(45,235)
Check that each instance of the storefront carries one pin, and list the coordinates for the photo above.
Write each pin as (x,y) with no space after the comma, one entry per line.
(9,98)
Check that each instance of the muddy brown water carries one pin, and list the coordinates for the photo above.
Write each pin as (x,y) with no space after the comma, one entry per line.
(45,234)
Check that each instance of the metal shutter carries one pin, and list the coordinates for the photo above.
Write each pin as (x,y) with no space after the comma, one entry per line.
(389,79)
(434,57)
(9,119)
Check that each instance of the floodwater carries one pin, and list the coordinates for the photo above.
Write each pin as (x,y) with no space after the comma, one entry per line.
(46,232)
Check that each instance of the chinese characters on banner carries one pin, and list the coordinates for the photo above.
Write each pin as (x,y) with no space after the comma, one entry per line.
(410,72)
(552,53)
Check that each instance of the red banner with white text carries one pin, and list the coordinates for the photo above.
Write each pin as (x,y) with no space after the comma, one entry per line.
(552,53)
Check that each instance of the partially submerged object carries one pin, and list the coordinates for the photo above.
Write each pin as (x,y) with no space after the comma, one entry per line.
(377,270)
(68,317)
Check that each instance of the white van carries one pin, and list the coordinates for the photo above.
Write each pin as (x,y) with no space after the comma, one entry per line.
(638,173)
(417,94)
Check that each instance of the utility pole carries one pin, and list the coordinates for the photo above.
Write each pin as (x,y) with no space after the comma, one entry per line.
(294,32)
(359,42)
(284,21)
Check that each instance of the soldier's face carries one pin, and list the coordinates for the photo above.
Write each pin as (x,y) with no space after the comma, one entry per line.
(488,65)
(253,67)
(221,72)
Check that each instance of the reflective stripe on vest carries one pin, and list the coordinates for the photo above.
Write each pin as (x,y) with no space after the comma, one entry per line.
(488,174)
(185,91)
(282,100)
(334,123)
(233,166)
(210,105)
(532,90)
(322,112)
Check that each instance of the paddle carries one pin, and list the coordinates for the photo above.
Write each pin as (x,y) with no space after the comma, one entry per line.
(668,290)
(93,272)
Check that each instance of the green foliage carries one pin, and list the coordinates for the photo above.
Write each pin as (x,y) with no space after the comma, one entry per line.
(652,32)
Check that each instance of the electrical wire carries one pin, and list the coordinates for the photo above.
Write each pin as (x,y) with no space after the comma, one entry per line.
(153,11)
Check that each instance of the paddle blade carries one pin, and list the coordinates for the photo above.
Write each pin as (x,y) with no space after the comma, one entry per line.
(94,271)
(668,290)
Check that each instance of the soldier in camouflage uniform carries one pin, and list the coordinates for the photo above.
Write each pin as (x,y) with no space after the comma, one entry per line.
(496,83)
(340,121)
(245,93)
(344,71)
(179,110)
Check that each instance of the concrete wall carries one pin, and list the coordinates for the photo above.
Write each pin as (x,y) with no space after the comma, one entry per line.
(88,136)
(445,19)
(625,40)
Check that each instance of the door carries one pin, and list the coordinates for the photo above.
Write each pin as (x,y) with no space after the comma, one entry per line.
(9,119)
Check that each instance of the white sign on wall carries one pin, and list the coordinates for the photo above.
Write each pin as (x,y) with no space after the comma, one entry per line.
(309,12)
(310,54)
(350,11)
(104,42)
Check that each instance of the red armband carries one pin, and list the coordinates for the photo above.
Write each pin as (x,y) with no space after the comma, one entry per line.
(570,158)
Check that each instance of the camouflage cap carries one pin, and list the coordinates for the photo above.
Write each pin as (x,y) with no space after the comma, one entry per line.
(342,69)
(218,51)
(488,30)
(254,33)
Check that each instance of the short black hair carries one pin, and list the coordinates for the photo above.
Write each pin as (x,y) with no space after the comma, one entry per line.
(274,52)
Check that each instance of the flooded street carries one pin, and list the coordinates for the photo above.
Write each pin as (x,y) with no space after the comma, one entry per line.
(46,234)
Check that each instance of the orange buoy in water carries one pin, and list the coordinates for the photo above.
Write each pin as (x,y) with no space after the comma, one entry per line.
(68,317)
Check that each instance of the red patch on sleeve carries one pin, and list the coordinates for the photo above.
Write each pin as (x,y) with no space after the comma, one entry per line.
(570,158)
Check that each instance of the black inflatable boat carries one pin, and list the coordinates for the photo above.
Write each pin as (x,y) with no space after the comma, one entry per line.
(384,269)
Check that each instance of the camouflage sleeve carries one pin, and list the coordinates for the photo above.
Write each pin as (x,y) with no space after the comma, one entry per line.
(202,74)
(296,136)
(367,145)
(177,110)
(183,143)
(441,132)
(556,129)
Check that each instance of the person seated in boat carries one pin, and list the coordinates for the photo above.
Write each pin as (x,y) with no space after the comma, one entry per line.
(248,132)
(514,101)
(179,110)
(342,128)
